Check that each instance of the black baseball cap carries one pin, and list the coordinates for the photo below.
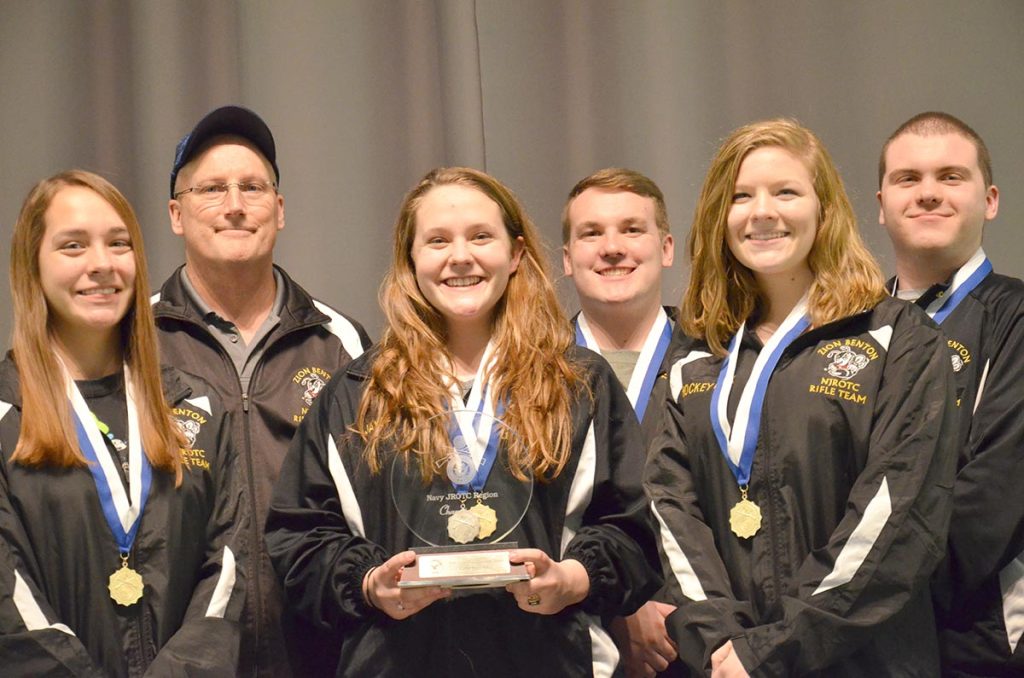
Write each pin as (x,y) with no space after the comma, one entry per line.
(233,120)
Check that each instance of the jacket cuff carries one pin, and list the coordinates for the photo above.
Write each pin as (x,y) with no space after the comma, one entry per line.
(603,592)
(361,608)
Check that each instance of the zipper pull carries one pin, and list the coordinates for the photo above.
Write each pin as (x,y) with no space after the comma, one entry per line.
(245,402)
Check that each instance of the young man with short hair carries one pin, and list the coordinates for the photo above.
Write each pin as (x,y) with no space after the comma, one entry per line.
(936,195)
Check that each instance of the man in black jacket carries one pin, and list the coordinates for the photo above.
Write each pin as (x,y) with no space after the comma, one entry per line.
(615,246)
(233,317)
(936,194)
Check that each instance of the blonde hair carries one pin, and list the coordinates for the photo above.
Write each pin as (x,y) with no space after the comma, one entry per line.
(47,436)
(722,293)
(406,399)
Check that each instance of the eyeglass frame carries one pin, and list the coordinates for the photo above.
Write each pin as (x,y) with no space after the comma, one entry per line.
(227,188)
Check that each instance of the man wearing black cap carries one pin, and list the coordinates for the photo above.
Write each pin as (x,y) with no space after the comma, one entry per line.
(233,317)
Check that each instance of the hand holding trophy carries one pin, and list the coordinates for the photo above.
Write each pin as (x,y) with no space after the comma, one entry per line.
(381,590)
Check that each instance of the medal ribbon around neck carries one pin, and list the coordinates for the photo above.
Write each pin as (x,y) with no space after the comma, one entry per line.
(648,363)
(469,427)
(966,279)
(738,442)
(122,516)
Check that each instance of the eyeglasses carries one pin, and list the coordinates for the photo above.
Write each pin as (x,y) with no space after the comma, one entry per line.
(252,192)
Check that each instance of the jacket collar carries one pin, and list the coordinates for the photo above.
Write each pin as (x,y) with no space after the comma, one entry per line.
(298,309)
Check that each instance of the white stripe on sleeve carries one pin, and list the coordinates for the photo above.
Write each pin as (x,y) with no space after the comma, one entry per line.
(676,371)
(225,585)
(349,503)
(340,327)
(581,490)
(677,560)
(856,549)
(31,614)
(1011,582)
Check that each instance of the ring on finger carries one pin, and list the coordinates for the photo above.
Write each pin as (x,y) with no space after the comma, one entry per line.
(533,600)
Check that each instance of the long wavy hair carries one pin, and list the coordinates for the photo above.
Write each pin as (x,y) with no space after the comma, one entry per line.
(722,292)
(406,398)
(47,436)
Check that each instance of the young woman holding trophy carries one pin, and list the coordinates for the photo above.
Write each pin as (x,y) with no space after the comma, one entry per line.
(474,421)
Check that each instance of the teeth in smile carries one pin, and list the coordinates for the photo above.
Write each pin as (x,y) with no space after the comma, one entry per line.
(99,290)
(615,272)
(771,235)
(463,282)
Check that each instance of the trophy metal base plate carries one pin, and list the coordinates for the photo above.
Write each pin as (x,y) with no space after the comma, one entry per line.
(474,566)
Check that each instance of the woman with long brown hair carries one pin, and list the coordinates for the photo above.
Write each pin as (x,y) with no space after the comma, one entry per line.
(802,481)
(118,512)
(476,370)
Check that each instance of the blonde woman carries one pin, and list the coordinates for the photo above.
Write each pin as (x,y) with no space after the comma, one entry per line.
(120,530)
(472,321)
(802,483)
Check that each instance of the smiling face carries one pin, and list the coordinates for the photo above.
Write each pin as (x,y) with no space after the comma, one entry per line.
(233,231)
(615,252)
(773,219)
(462,255)
(934,202)
(86,264)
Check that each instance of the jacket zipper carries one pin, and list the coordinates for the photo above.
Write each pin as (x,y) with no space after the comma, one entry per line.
(256,529)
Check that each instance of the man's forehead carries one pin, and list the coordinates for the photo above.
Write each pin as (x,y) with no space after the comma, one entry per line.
(604,199)
(940,148)
(212,158)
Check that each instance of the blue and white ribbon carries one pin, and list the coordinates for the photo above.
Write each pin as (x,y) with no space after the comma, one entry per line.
(738,441)
(121,511)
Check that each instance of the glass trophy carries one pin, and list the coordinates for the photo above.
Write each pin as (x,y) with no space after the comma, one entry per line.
(463,515)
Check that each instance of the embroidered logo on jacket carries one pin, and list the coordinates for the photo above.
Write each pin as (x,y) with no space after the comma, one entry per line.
(311,380)
(961,355)
(846,362)
(190,423)
(693,387)
(847,357)
(190,428)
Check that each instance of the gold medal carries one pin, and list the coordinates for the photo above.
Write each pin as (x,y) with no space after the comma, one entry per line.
(125,584)
(488,519)
(745,516)
(463,526)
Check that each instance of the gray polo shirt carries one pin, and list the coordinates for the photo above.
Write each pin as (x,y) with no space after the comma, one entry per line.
(244,356)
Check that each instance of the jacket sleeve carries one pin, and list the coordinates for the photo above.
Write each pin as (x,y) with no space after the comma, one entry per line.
(318,550)
(33,641)
(987,530)
(208,640)
(889,542)
(614,542)
(696,579)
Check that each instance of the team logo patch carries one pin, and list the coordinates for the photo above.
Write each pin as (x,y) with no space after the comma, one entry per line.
(190,423)
(846,362)
(846,358)
(189,427)
(313,384)
(961,355)
(311,381)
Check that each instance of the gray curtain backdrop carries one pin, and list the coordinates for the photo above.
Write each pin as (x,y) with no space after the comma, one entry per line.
(364,97)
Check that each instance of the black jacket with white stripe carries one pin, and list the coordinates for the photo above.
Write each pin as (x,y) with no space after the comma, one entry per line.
(979,589)
(57,552)
(310,343)
(331,520)
(853,474)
